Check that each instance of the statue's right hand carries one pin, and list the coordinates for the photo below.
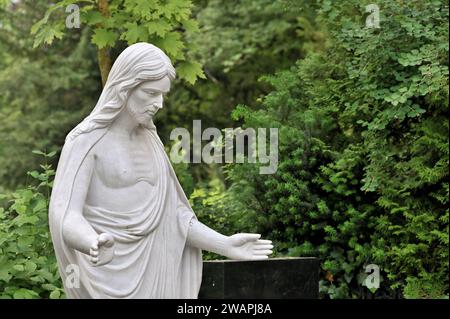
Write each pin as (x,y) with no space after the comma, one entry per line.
(102,250)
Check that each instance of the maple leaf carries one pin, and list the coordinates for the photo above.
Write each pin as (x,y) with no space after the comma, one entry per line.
(141,8)
(178,9)
(134,33)
(172,45)
(190,71)
(103,37)
(190,25)
(160,27)
(47,34)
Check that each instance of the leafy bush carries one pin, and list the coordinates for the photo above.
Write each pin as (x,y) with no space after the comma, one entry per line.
(363,155)
(28,267)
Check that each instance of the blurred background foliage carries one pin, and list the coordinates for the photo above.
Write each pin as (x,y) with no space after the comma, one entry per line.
(362,115)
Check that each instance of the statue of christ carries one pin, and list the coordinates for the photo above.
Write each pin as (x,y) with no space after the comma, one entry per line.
(117,211)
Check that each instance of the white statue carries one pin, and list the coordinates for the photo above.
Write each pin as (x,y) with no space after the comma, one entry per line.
(119,219)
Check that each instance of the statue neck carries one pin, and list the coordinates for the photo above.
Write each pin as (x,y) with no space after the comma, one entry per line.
(125,124)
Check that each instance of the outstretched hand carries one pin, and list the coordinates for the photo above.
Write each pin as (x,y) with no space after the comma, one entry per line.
(244,246)
(102,250)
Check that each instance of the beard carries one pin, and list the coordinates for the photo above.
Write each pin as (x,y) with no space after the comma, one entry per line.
(142,120)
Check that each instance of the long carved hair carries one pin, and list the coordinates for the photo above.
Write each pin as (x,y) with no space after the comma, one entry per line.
(138,63)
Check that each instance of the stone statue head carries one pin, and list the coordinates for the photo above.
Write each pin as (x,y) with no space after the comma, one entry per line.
(137,80)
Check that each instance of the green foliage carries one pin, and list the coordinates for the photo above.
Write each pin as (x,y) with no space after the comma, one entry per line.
(164,23)
(238,42)
(363,171)
(219,210)
(44,93)
(28,267)
(429,286)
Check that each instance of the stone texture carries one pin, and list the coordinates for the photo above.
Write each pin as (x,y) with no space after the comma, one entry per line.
(278,278)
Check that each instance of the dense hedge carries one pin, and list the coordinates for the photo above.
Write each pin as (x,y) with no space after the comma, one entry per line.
(363,172)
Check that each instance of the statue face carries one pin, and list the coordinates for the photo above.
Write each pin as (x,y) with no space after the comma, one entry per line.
(147,99)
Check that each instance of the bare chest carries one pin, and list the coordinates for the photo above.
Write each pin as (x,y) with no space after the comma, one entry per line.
(123,163)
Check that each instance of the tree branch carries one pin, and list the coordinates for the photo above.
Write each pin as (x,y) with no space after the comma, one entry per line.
(104,59)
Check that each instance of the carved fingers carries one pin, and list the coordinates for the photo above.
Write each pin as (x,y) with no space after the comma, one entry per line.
(94,253)
(242,238)
(261,249)
(102,250)
(106,240)
(250,247)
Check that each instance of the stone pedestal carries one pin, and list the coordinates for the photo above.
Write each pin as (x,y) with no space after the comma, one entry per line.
(278,278)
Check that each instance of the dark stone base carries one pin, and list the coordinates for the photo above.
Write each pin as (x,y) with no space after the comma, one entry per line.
(277,278)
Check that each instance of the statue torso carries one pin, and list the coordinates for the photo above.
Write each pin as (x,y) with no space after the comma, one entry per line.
(124,174)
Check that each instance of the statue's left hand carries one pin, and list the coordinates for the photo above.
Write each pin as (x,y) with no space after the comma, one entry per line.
(243,246)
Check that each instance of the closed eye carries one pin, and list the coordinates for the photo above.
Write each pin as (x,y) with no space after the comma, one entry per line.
(151,92)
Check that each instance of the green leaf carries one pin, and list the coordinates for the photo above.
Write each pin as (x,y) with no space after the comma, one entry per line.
(178,9)
(25,241)
(92,17)
(22,220)
(158,27)
(171,44)
(40,205)
(38,152)
(134,33)
(55,294)
(142,8)
(20,209)
(30,266)
(18,267)
(25,294)
(47,34)
(103,38)
(34,174)
(190,71)
(191,25)
(38,25)
(5,275)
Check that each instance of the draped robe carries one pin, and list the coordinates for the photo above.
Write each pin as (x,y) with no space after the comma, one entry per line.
(152,259)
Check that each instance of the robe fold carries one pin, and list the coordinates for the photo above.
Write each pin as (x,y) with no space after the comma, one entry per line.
(152,259)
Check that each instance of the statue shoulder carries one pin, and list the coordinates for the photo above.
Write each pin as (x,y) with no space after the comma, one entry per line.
(82,144)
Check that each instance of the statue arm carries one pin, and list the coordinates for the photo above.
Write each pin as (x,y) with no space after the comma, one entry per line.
(77,232)
(205,238)
(239,246)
